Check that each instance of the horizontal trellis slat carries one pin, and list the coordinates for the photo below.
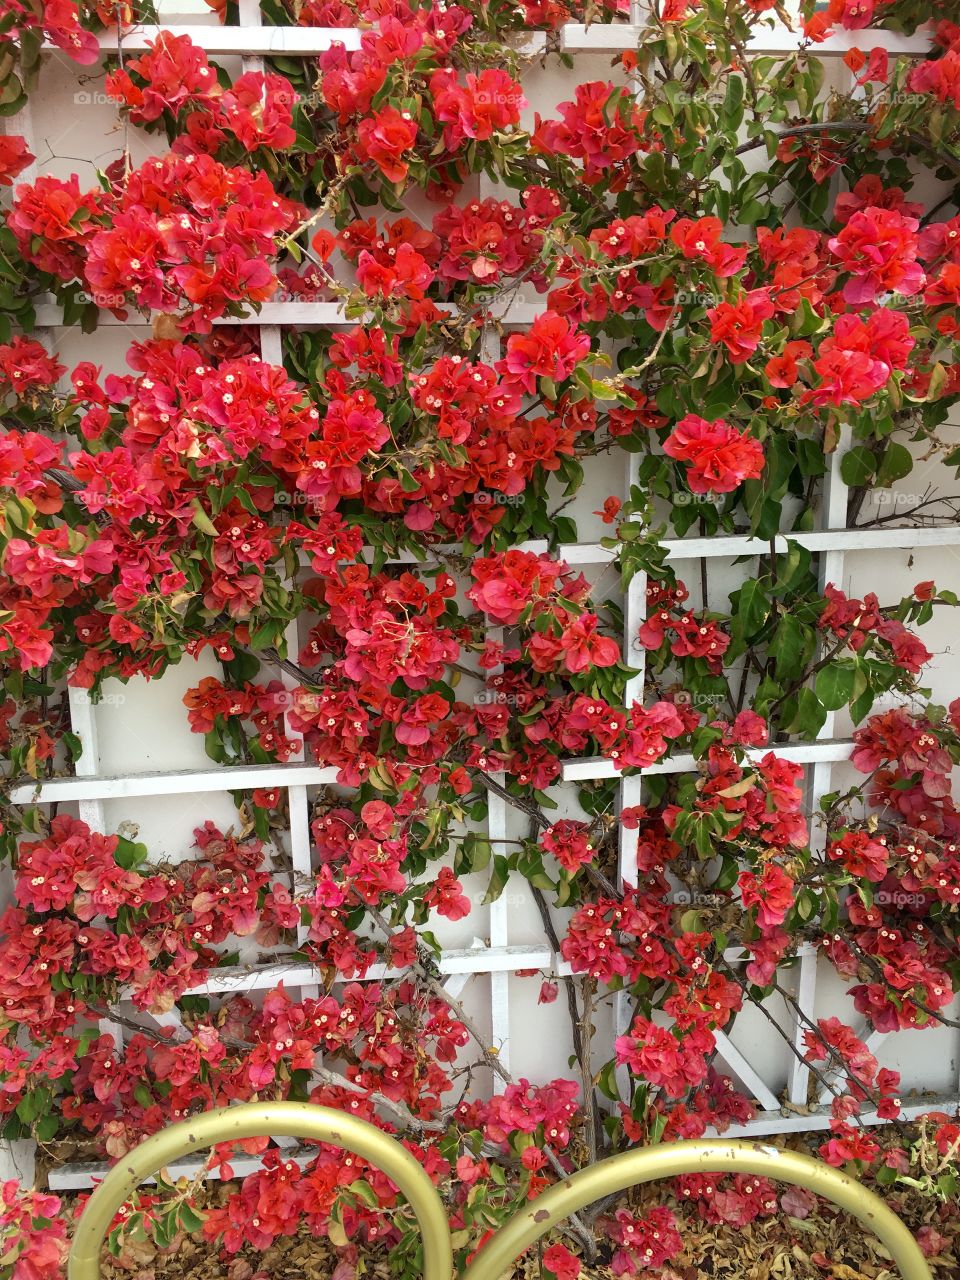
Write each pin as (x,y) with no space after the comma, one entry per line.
(572,38)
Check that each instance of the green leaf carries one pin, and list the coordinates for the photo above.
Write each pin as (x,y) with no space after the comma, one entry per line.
(896,463)
(790,644)
(857,467)
(498,879)
(809,715)
(202,520)
(753,606)
(835,684)
(189,1219)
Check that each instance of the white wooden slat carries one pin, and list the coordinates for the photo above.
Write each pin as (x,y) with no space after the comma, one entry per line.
(836,539)
(798,1081)
(172,783)
(575,38)
(300,315)
(456,983)
(799,752)
(733,546)
(833,515)
(616,37)
(630,791)
(784,1121)
(497,919)
(499,934)
(253,40)
(749,1076)
(498,926)
(635,657)
(232,979)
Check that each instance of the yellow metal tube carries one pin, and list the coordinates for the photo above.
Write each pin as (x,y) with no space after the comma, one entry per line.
(266,1119)
(650,1164)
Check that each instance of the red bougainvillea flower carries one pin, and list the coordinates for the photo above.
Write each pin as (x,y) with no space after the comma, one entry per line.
(701,239)
(878,247)
(771,893)
(853,15)
(14,157)
(861,855)
(25,364)
(506,584)
(739,325)
(783,370)
(561,1263)
(718,456)
(550,349)
(656,1054)
(939,77)
(176,72)
(592,129)
(386,138)
(258,110)
(485,103)
(569,843)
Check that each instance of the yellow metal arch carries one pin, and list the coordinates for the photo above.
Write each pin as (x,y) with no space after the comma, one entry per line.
(258,1120)
(649,1164)
(304,1120)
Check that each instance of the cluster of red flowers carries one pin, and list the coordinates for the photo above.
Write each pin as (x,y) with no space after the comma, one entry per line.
(686,635)
(175,77)
(57,21)
(834,1042)
(182,233)
(33,1231)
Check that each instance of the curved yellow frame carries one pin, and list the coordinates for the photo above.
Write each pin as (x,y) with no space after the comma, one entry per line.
(257,1120)
(304,1120)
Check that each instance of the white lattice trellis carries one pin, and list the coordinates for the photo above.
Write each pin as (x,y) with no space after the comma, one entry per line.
(496,958)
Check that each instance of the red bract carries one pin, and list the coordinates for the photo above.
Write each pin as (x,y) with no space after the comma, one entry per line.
(14,158)
(386,138)
(718,456)
(878,248)
(601,127)
(551,349)
(484,103)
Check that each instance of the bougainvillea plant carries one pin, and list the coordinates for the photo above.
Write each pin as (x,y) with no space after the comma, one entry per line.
(735,273)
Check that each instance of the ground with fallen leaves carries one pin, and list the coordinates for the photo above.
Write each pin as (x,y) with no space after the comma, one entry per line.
(824,1245)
